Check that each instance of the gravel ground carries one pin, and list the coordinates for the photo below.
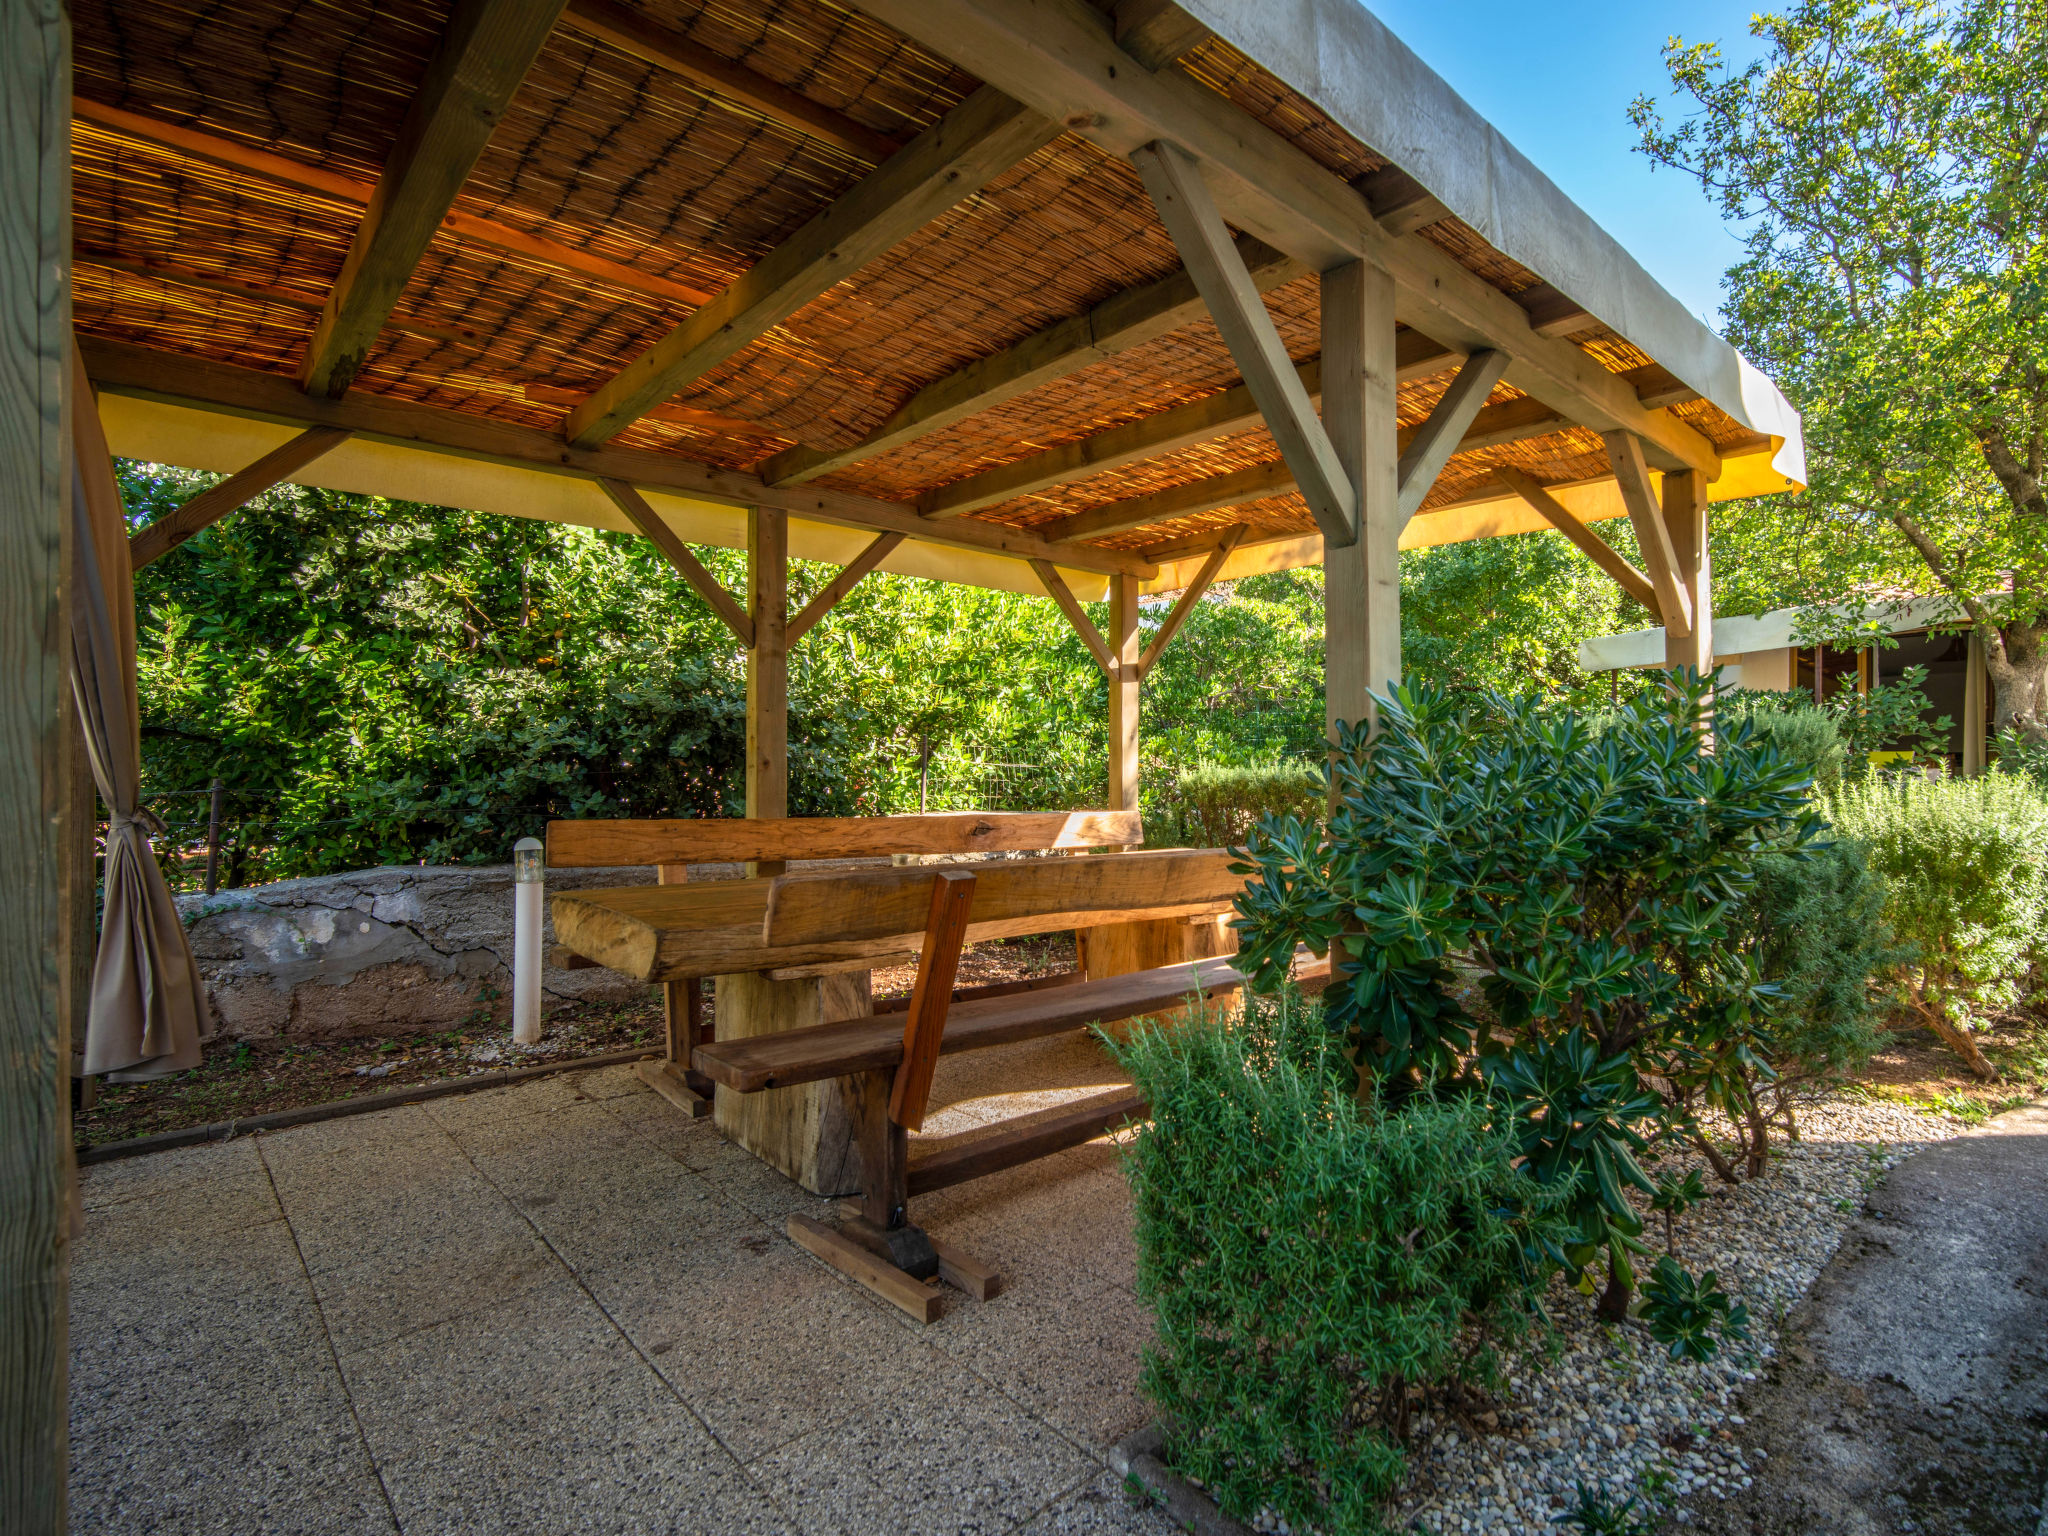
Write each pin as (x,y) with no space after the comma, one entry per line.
(1612,1410)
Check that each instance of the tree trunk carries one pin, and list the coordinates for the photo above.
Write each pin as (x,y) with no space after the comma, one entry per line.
(2017,663)
(1613,1304)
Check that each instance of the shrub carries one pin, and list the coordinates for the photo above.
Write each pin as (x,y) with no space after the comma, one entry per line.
(1312,1261)
(1215,805)
(1794,724)
(1594,881)
(1689,1316)
(1966,876)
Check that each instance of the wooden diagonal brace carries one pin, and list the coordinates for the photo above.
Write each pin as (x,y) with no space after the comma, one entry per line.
(1595,548)
(240,488)
(945,930)
(692,570)
(1057,588)
(1205,244)
(1625,453)
(1193,595)
(857,568)
(1439,436)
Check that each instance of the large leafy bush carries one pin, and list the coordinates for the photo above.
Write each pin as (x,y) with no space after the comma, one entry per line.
(1965,865)
(1314,1264)
(1215,805)
(1591,881)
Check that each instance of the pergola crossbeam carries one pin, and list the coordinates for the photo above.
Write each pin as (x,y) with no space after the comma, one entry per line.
(1430,448)
(1120,322)
(677,553)
(1589,543)
(1204,241)
(849,577)
(973,144)
(1646,516)
(197,382)
(469,82)
(238,490)
(1057,55)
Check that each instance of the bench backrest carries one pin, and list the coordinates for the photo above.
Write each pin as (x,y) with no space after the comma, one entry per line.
(738,840)
(1023,895)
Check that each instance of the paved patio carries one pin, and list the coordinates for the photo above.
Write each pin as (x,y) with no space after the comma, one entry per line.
(559,1307)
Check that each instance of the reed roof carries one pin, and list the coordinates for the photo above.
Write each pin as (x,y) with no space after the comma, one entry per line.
(224,156)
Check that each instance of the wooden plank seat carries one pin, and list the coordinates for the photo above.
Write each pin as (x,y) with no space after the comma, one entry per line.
(720,921)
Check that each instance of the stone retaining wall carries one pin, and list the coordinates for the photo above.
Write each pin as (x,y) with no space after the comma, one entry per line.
(388,951)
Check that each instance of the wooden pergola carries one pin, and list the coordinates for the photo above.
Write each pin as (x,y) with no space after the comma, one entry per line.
(1089,299)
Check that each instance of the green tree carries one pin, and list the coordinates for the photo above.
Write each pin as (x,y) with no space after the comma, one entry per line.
(1888,159)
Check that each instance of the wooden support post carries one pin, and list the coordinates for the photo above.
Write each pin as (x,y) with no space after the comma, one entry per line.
(768,669)
(35,493)
(884,1226)
(1124,679)
(1975,687)
(1653,532)
(1685,522)
(1361,580)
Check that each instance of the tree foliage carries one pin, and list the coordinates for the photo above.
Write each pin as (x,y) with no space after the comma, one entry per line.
(1890,159)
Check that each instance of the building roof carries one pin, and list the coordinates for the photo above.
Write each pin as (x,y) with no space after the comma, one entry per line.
(954,311)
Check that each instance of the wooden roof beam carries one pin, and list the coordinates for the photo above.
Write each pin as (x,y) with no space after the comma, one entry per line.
(1204,241)
(182,379)
(1400,202)
(631,33)
(469,82)
(973,144)
(1157,32)
(1595,548)
(1431,445)
(1653,537)
(1120,322)
(1512,421)
(281,170)
(1059,56)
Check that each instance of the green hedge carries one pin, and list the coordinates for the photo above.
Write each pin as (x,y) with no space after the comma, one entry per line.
(1310,1262)
(1216,805)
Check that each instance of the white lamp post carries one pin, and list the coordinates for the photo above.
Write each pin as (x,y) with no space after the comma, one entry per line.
(527,877)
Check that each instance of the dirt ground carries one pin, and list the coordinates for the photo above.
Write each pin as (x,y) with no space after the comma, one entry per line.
(256,1077)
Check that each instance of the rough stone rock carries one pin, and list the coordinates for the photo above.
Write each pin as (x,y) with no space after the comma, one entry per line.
(380,951)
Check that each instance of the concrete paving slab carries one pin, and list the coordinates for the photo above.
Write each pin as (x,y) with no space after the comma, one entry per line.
(954,1456)
(1103,1507)
(215,1187)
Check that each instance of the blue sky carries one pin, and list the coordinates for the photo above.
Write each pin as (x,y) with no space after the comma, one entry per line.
(1556,77)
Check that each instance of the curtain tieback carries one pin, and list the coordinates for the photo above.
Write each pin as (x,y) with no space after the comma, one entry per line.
(152,825)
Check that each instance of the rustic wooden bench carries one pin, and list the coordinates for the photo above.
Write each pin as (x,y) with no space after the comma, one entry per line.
(714,928)
(886,1067)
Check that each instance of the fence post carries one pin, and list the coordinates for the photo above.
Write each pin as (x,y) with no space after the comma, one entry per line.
(527,877)
(213,794)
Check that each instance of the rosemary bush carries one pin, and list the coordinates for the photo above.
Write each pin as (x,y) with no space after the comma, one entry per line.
(1316,1265)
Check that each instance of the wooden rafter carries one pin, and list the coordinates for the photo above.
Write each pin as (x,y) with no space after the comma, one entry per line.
(1219,415)
(1057,56)
(469,82)
(1120,322)
(1057,589)
(1192,595)
(238,490)
(973,144)
(1204,241)
(1511,421)
(1595,548)
(1653,538)
(1156,32)
(849,577)
(280,170)
(677,553)
(1430,447)
(1400,202)
(631,33)
(186,380)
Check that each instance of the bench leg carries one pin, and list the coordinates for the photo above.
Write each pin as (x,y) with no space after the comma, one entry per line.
(883,1225)
(683,1031)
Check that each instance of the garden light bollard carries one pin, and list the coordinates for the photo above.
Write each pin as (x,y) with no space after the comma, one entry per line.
(527,877)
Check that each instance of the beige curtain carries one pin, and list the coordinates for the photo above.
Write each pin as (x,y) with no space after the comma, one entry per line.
(148,1003)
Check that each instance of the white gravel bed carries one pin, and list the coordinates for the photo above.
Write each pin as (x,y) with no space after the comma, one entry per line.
(1612,1410)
